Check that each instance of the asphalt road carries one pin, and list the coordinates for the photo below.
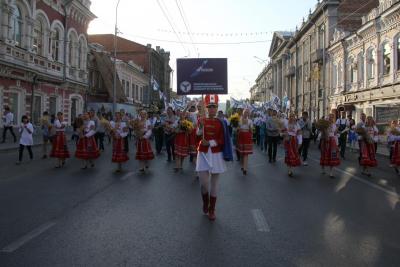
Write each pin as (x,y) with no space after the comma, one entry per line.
(71,217)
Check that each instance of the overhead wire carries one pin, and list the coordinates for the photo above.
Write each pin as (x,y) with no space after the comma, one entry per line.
(186,23)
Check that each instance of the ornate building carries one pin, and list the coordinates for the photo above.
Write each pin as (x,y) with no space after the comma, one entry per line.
(43,56)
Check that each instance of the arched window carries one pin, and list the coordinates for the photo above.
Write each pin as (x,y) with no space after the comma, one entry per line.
(350,71)
(55,45)
(398,53)
(38,38)
(340,74)
(334,78)
(360,68)
(80,55)
(16,25)
(386,53)
(371,63)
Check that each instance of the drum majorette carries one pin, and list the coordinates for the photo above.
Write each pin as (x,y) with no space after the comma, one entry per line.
(210,162)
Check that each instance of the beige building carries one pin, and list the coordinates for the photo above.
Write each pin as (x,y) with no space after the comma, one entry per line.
(364,66)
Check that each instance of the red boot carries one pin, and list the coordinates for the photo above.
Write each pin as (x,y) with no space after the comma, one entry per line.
(206,201)
(211,210)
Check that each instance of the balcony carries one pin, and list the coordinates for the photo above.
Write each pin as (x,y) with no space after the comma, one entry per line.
(317,56)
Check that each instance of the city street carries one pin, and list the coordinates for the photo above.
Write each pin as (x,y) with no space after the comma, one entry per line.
(94,217)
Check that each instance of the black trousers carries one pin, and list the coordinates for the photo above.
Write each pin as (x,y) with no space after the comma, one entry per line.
(158,137)
(342,144)
(21,151)
(8,128)
(170,145)
(303,150)
(100,140)
(272,146)
(126,144)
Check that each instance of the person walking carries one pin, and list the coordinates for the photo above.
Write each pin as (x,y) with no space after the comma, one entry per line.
(169,126)
(292,133)
(245,141)
(8,120)
(144,153)
(86,148)
(59,143)
(343,127)
(158,133)
(366,131)
(329,147)
(118,130)
(181,141)
(26,139)
(210,163)
(273,129)
(306,128)
(101,131)
(46,127)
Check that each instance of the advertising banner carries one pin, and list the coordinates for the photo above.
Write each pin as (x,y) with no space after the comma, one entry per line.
(197,76)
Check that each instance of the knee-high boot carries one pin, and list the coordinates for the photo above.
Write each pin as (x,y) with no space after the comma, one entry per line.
(211,209)
(206,202)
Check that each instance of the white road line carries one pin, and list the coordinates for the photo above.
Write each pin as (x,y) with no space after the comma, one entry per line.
(28,237)
(125,177)
(260,221)
(391,193)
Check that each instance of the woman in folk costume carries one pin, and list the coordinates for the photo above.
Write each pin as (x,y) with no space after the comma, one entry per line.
(119,130)
(245,139)
(59,149)
(210,162)
(181,141)
(367,134)
(292,133)
(329,147)
(144,153)
(86,148)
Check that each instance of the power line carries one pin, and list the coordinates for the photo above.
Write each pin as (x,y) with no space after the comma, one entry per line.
(186,23)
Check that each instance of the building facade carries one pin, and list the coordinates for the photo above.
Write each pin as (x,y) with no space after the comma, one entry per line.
(364,66)
(43,56)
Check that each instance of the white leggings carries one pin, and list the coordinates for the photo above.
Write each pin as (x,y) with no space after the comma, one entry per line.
(205,183)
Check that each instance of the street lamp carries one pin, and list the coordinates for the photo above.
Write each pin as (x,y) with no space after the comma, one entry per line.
(115,59)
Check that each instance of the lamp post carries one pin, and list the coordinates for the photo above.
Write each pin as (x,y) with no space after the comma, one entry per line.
(115,59)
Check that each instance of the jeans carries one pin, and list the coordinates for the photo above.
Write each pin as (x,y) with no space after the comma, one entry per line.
(303,150)
(272,147)
(9,128)
(262,142)
(170,146)
(159,142)
(100,140)
(21,150)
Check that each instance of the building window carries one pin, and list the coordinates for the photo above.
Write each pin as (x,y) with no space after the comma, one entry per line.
(37,109)
(137,92)
(128,86)
(371,64)
(398,53)
(16,25)
(360,68)
(386,58)
(71,52)
(55,45)
(38,38)
(339,75)
(52,105)
(81,54)
(321,35)
(334,78)
(350,71)
(13,99)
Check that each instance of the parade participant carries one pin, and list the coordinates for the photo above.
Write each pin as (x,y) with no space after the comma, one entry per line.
(210,162)
(306,128)
(59,142)
(169,126)
(101,131)
(46,132)
(86,148)
(273,125)
(263,132)
(393,138)
(125,118)
(352,136)
(26,140)
(245,141)
(366,134)
(291,133)
(342,126)
(329,147)
(118,130)
(143,131)
(193,141)
(181,140)
(8,120)
(158,133)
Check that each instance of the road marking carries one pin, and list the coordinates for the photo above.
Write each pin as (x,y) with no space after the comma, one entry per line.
(28,237)
(260,221)
(125,177)
(391,193)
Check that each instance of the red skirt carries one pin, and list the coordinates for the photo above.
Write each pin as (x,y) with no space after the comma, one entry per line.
(329,153)
(119,154)
(182,144)
(367,158)
(194,141)
(292,157)
(143,150)
(245,143)
(396,154)
(59,146)
(86,148)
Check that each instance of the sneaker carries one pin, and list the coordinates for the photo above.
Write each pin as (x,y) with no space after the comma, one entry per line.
(305,163)
(18,163)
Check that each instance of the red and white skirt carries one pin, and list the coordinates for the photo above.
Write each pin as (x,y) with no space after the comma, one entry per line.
(182,144)
(367,157)
(245,143)
(329,153)
(292,157)
(143,150)
(396,154)
(59,146)
(119,154)
(86,148)
(194,141)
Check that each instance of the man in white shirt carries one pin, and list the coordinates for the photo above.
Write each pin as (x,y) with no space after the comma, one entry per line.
(342,125)
(8,119)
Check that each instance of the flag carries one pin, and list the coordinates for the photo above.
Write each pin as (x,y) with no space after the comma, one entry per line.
(154,84)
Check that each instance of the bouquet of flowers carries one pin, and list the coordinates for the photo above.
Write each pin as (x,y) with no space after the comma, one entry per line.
(394,131)
(278,123)
(186,126)
(234,120)
(361,131)
(137,127)
(323,126)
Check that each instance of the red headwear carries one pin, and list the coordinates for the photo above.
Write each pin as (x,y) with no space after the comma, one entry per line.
(211,100)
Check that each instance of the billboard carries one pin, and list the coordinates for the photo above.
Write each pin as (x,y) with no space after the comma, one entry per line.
(197,76)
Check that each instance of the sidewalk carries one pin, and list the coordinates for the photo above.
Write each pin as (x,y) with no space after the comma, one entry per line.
(9,145)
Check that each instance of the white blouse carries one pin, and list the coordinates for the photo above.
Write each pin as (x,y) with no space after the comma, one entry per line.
(26,137)
(89,128)
(246,126)
(119,128)
(292,129)
(60,126)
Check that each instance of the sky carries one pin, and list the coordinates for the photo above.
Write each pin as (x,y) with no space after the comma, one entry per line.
(244,27)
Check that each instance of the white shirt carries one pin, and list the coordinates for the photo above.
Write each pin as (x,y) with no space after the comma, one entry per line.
(8,119)
(26,137)
(119,128)
(332,130)
(246,127)
(344,122)
(373,132)
(60,126)
(292,129)
(89,128)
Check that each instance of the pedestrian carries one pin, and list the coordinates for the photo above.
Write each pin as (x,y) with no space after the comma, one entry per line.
(26,139)
(8,120)
(306,128)
(144,153)
(245,141)
(329,147)
(352,136)
(343,126)
(273,126)
(46,127)
(181,140)
(314,131)
(158,133)
(263,132)
(86,148)
(75,127)
(366,131)
(292,133)
(193,142)
(394,145)
(119,130)
(169,126)
(210,163)
(59,143)
(101,131)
